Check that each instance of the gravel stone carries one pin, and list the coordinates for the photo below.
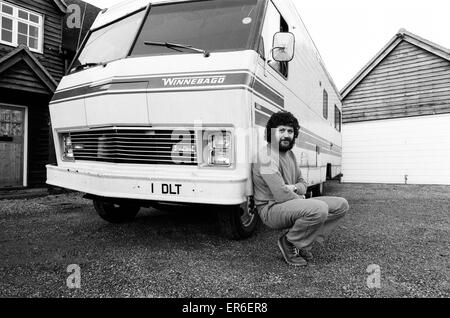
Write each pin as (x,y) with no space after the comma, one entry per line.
(404,229)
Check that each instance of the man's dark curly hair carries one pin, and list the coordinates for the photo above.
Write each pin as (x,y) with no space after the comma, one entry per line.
(281,119)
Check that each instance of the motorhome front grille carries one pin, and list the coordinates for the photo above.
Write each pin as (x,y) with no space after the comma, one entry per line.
(156,147)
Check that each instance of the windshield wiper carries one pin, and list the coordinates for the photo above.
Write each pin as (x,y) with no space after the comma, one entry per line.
(177,45)
(87,65)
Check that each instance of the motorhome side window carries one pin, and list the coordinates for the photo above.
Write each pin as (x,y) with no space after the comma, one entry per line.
(273,23)
(337,119)
(325,104)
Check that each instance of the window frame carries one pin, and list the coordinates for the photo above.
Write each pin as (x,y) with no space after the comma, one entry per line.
(282,19)
(15,26)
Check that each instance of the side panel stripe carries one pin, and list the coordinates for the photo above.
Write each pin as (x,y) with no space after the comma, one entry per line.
(173,83)
(260,88)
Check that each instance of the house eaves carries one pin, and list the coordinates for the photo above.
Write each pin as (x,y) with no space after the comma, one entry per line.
(62,6)
(22,53)
(402,35)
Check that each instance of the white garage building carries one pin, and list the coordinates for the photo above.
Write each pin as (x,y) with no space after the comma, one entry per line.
(396,115)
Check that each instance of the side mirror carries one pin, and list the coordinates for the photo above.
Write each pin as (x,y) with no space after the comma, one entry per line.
(283,47)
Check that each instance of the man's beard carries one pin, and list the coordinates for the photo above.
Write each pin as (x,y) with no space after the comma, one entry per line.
(285,148)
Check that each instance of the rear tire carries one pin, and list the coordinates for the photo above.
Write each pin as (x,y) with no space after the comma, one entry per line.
(318,190)
(238,222)
(122,212)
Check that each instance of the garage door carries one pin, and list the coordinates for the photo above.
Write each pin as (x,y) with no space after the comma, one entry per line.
(413,150)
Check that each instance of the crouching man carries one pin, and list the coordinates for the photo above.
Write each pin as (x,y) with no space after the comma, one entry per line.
(279,191)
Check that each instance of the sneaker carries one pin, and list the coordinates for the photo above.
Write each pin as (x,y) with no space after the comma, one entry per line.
(305,254)
(290,252)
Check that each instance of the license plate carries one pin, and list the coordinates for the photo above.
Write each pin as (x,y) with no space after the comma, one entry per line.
(166,188)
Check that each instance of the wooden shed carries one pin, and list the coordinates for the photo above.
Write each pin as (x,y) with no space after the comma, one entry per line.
(396,115)
(31,65)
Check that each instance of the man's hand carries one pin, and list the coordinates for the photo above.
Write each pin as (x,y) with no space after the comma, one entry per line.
(293,188)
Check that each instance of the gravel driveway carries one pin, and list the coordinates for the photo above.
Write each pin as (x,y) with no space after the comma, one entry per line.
(404,231)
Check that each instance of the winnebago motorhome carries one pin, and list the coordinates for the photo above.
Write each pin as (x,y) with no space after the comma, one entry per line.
(166,103)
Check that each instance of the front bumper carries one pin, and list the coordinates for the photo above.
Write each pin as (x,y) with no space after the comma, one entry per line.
(151,185)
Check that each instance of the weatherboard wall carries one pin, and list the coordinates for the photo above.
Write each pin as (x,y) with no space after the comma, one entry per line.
(409,82)
(52,58)
(21,85)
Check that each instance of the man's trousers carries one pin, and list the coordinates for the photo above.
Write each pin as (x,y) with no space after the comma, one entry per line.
(308,220)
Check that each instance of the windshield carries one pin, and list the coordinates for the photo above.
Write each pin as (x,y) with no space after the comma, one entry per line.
(216,25)
(110,43)
(174,28)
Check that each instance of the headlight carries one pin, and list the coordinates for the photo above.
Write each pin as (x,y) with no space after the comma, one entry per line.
(67,148)
(218,148)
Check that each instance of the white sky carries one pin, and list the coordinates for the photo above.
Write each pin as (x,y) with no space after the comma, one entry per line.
(348,33)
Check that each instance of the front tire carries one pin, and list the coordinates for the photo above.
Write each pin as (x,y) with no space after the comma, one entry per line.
(116,212)
(238,222)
